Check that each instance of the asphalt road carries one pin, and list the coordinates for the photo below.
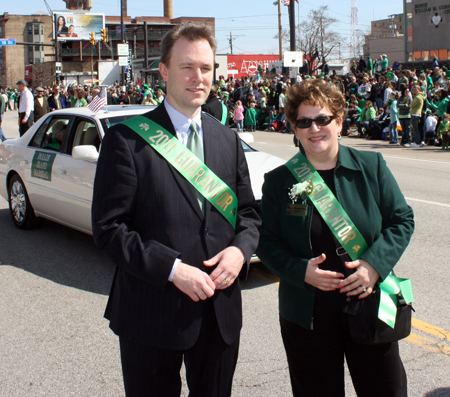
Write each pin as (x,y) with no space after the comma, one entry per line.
(54,285)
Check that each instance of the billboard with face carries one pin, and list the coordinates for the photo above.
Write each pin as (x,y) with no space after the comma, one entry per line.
(77,26)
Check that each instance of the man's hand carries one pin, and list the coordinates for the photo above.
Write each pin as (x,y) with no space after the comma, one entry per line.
(193,282)
(229,264)
(24,121)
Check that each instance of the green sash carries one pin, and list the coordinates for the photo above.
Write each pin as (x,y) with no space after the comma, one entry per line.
(210,186)
(348,235)
(224,114)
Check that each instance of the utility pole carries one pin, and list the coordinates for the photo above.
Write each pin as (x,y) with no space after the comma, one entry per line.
(123,3)
(321,40)
(280,31)
(55,22)
(231,43)
(292,29)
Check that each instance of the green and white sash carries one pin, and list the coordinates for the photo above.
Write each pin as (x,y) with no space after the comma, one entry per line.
(210,186)
(348,235)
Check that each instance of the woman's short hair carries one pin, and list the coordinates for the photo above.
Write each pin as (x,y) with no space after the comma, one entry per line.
(191,32)
(314,92)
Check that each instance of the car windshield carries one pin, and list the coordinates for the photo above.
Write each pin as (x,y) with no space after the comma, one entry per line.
(110,121)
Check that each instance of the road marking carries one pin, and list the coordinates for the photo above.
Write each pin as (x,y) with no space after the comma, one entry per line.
(428,202)
(430,329)
(416,159)
(428,344)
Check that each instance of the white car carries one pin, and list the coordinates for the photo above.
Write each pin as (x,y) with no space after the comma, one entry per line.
(49,171)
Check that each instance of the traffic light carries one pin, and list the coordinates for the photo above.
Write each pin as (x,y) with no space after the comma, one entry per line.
(92,38)
(104,39)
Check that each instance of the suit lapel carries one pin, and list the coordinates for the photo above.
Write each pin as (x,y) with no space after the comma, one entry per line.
(160,116)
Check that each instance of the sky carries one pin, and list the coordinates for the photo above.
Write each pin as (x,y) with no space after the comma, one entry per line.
(252,23)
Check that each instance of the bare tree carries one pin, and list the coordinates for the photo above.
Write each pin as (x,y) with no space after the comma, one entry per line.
(315,38)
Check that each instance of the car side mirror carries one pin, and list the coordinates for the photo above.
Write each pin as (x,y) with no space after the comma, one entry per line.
(85,152)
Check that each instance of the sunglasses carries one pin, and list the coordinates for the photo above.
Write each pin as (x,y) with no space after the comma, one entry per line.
(320,121)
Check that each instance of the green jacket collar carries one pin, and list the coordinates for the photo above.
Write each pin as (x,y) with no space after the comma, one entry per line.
(346,160)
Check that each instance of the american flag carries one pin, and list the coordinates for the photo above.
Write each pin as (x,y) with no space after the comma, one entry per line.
(287,2)
(98,102)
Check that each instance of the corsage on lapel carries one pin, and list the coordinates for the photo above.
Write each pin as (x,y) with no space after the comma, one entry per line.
(301,190)
(296,192)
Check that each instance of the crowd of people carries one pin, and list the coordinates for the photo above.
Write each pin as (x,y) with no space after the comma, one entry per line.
(382,101)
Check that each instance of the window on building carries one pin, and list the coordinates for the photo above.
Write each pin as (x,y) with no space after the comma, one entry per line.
(425,55)
(410,57)
(42,29)
(36,29)
(442,54)
(36,48)
(409,28)
(417,55)
(30,48)
(30,29)
(434,54)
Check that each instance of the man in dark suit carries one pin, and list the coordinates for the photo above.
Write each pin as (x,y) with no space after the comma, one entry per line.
(176,292)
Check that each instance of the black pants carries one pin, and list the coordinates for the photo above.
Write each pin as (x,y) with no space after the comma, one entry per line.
(210,365)
(316,360)
(23,127)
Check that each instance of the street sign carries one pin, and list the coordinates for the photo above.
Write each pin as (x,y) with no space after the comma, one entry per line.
(293,59)
(58,67)
(7,41)
(122,50)
(123,61)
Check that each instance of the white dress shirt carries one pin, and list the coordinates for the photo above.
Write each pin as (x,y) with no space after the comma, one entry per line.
(26,103)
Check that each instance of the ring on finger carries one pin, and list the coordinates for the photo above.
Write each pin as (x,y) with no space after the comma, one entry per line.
(226,281)
(363,288)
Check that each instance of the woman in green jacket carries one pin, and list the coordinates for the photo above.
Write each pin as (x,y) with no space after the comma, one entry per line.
(297,245)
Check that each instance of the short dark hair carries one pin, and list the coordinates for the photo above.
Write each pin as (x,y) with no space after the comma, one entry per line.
(314,92)
(191,32)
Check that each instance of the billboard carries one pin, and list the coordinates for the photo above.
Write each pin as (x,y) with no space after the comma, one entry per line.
(77,26)
(247,65)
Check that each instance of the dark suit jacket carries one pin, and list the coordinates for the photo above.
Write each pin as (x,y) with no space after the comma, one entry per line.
(145,215)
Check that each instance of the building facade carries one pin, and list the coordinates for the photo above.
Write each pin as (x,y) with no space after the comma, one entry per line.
(35,28)
(428,30)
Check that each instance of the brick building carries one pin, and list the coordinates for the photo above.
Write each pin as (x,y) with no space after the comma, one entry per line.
(75,56)
(35,28)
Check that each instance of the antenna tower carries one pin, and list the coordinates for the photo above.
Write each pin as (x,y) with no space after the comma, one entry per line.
(354,40)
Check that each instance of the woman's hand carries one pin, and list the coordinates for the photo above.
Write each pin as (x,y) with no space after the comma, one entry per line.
(362,281)
(324,280)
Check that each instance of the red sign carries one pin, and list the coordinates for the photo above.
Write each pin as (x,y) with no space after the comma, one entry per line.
(247,65)
(28,72)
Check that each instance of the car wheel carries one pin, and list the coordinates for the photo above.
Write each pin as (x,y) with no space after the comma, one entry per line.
(20,208)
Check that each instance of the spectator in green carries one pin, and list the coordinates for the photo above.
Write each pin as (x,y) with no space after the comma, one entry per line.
(416,113)
(404,115)
(80,99)
(384,62)
(250,117)
(367,115)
